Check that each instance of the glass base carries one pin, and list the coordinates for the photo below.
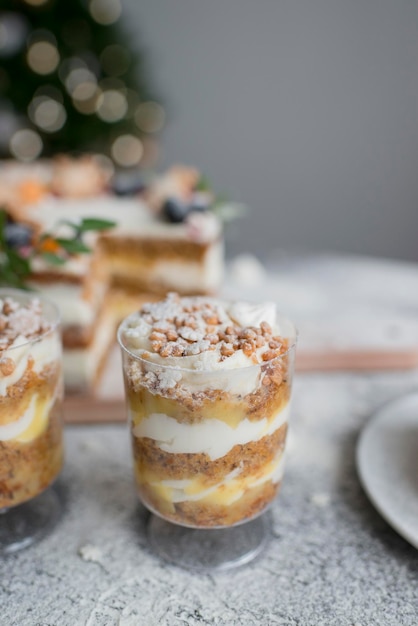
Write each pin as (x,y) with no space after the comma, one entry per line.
(208,549)
(27,523)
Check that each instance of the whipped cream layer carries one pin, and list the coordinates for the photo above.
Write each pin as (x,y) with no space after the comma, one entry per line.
(240,380)
(225,492)
(133,218)
(74,307)
(75,267)
(81,365)
(41,352)
(212,437)
(31,423)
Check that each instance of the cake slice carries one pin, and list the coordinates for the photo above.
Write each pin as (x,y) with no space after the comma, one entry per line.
(151,250)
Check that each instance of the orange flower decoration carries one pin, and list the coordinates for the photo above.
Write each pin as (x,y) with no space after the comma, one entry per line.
(50,245)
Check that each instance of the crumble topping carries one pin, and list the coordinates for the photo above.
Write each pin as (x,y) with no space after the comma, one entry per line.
(184,327)
(22,322)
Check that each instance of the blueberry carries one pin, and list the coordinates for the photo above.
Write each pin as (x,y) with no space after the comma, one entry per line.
(17,235)
(200,202)
(128,184)
(175,210)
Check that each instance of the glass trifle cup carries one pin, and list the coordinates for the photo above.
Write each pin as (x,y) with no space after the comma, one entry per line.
(31,393)
(208,387)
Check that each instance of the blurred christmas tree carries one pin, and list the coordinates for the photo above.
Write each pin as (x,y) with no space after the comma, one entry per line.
(70,82)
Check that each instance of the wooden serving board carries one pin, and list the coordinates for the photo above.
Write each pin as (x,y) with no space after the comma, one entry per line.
(356,360)
(93,410)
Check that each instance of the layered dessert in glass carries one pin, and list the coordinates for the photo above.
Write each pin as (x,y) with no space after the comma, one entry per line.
(31,391)
(208,385)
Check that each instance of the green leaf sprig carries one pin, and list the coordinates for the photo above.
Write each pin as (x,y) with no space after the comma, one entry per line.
(16,261)
(14,267)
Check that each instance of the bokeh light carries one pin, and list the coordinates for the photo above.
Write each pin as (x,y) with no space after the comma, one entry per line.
(88,62)
(84,91)
(48,114)
(149,117)
(105,11)
(80,76)
(127,150)
(111,105)
(43,57)
(86,106)
(25,144)
(13,31)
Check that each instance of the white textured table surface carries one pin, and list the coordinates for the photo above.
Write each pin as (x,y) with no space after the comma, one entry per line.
(331,560)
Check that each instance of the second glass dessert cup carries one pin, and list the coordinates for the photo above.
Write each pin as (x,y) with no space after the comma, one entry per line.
(31,392)
(208,450)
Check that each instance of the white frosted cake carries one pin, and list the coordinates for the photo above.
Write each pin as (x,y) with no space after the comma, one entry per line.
(153,247)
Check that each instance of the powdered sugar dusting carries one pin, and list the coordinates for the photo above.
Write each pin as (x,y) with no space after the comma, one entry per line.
(204,333)
(20,322)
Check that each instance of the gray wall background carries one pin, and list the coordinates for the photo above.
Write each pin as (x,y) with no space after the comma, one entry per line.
(306,110)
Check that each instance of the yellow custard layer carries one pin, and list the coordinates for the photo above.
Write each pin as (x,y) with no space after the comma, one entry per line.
(216,405)
(24,411)
(225,492)
(28,468)
(31,423)
(31,449)
(212,514)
